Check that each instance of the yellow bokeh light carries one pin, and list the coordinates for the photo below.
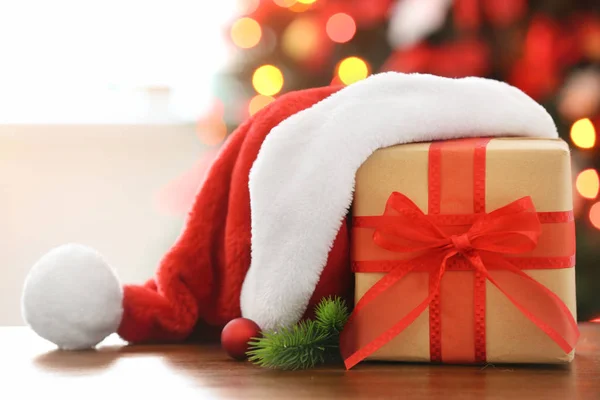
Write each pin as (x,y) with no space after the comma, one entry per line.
(301,38)
(583,133)
(246,33)
(284,3)
(306,1)
(352,69)
(267,80)
(299,7)
(594,215)
(258,102)
(588,184)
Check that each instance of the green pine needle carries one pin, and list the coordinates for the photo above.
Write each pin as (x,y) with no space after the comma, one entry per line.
(304,345)
(332,314)
(298,347)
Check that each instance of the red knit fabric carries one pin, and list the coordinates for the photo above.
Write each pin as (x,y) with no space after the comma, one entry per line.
(198,282)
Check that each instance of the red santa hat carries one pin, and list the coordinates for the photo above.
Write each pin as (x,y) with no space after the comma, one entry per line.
(267,236)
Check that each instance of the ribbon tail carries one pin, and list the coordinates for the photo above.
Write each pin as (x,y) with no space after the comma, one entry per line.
(379,316)
(539,304)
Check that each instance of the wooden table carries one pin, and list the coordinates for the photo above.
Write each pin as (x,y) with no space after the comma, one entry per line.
(29,366)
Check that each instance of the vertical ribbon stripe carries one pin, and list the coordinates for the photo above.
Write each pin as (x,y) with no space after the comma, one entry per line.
(434,205)
(479,282)
(458,181)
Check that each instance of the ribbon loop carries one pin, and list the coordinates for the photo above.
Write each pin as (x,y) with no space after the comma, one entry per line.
(514,228)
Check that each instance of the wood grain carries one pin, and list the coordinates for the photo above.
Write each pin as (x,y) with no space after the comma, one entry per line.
(29,366)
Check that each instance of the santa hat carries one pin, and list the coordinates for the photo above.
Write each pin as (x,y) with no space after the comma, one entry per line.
(267,236)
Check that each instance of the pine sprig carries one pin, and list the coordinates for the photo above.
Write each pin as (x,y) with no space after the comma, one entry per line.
(298,347)
(331,314)
(304,345)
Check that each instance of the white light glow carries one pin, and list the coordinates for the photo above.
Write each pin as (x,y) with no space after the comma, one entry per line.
(75,60)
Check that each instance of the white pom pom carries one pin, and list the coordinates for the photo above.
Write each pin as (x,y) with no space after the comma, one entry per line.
(72,298)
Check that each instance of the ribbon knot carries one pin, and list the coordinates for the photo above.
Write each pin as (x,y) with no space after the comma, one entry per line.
(461,243)
(512,229)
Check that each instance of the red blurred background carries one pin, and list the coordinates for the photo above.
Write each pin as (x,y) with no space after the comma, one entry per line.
(549,49)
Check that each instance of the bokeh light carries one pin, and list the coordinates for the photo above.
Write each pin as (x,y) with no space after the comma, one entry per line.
(301,38)
(299,7)
(306,1)
(285,3)
(591,41)
(246,33)
(340,28)
(595,215)
(588,184)
(583,133)
(267,80)
(211,131)
(352,69)
(245,7)
(258,102)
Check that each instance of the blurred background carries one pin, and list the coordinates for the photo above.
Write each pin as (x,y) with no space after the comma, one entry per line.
(110,112)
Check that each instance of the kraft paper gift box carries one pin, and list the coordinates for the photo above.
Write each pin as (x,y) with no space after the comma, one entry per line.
(497,214)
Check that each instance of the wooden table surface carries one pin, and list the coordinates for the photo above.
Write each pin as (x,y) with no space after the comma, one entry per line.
(30,366)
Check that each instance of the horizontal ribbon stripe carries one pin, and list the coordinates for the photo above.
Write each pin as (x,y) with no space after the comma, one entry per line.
(552,217)
(522,263)
(556,240)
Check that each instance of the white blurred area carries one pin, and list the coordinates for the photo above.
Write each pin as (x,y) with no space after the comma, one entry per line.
(98,101)
(87,61)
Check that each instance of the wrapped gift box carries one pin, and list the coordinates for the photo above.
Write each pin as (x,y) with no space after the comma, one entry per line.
(418,206)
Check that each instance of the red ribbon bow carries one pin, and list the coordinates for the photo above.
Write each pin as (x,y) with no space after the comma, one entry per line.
(487,245)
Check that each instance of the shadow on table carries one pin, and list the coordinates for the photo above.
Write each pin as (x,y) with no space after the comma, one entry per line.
(114,348)
(78,361)
(375,379)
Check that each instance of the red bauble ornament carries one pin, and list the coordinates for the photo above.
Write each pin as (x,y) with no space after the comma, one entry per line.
(236,335)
